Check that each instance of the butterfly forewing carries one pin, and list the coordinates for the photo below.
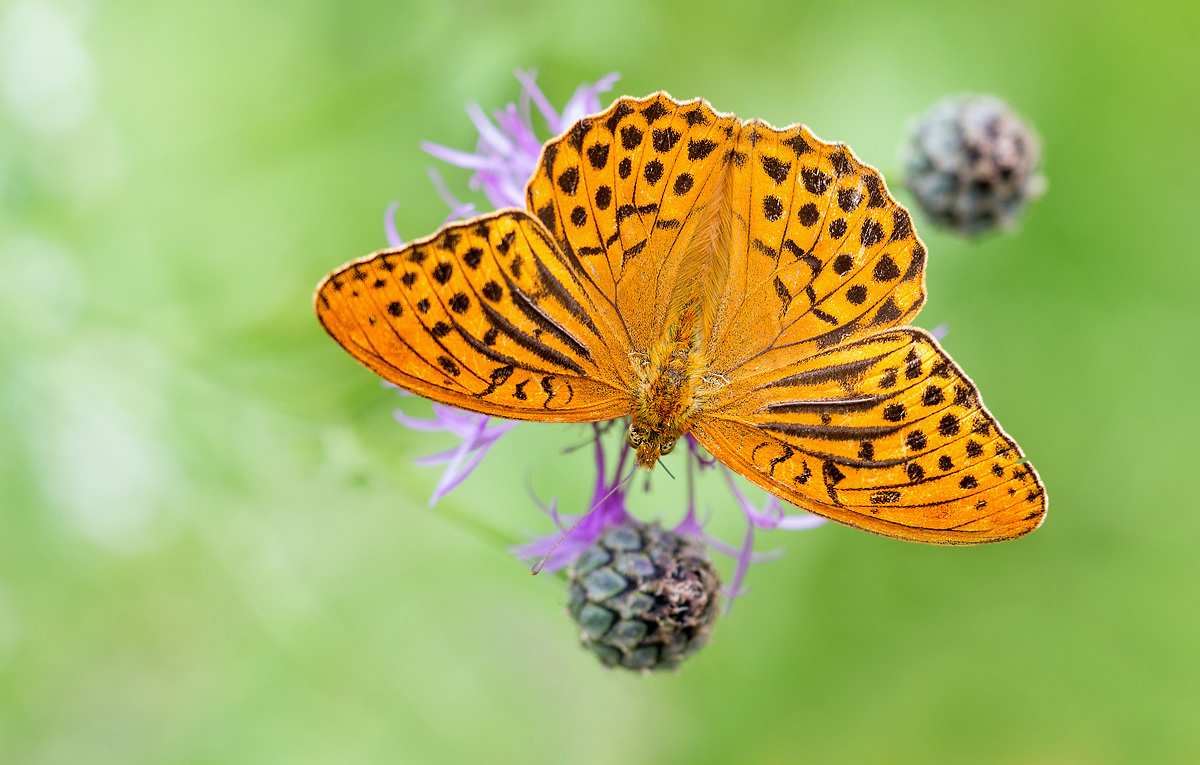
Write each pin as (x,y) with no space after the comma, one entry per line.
(819,252)
(484,315)
(883,433)
(626,190)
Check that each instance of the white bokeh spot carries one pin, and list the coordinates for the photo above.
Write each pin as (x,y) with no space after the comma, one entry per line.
(47,76)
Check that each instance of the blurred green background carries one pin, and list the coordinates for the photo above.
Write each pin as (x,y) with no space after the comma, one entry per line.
(214,546)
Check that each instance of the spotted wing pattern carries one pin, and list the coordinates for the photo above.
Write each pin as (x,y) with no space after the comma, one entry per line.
(484,315)
(805,267)
(819,252)
(884,433)
(626,192)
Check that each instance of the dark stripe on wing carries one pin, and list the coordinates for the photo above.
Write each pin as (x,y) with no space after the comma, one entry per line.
(538,317)
(831,432)
(834,373)
(829,405)
(528,342)
(564,298)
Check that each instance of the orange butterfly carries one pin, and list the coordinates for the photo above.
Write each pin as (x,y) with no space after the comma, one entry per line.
(701,274)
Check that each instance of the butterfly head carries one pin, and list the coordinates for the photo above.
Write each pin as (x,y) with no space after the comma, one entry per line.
(649,444)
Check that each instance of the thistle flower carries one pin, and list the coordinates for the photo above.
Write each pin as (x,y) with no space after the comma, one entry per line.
(972,164)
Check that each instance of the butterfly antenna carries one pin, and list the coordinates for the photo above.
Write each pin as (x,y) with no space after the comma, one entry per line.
(538,566)
(667,469)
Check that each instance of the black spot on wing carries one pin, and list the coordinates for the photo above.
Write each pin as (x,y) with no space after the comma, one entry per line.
(841,163)
(578,132)
(698,150)
(664,139)
(772,207)
(654,112)
(815,181)
(620,112)
(901,224)
(548,155)
(797,144)
(875,188)
(775,169)
(568,181)
(808,214)
(597,155)
(631,136)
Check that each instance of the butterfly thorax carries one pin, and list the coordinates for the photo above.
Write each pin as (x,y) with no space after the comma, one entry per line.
(670,392)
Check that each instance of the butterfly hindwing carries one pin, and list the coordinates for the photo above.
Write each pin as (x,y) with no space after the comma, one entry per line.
(484,315)
(886,434)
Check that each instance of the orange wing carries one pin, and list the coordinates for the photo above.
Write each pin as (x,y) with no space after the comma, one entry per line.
(485,315)
(819,253)
(885,434)
(630,192)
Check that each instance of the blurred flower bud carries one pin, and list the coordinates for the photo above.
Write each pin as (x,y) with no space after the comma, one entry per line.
(972,164)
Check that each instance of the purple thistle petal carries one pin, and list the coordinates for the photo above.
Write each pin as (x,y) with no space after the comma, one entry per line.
(580,539)
(488,134)
(940,331)
(528,82)
(443,190)
(721,545)
(800,522)
(607,509)
(586,99)
(458,472)
(501,191)
(416,423)
(551,509)
(509,119)
(389,225)
(689,526)
(475,433)
(440,458)
(694,448)
(485,441)
(507,152)
(461,158)
(771,516)
(454,474)
(459,213)
(735,589)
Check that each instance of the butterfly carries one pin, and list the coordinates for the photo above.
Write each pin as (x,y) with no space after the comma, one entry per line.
(702,274)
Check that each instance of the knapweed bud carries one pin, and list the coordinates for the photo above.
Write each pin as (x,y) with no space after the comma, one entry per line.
(972,164)
(645,598)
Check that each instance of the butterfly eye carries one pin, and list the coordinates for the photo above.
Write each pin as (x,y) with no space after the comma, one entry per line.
(666,448)
(635,437)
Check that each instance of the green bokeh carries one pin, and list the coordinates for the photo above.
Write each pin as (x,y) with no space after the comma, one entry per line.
(214,546)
